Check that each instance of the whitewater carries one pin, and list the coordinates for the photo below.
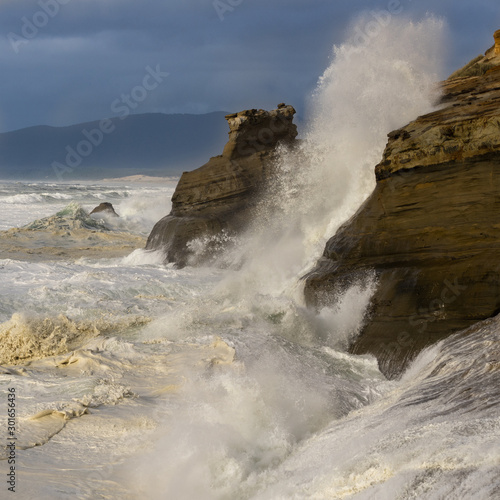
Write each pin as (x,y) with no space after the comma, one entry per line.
(134,379)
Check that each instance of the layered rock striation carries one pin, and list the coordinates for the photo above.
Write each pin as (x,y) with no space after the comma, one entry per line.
(214,202)
(430,231)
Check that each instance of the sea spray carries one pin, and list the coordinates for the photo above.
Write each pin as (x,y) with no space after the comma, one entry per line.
(140,211)
(232,429)
(364,94)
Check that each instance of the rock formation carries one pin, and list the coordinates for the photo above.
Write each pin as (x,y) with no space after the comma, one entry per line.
(216,199)
(106,208)
(431,229)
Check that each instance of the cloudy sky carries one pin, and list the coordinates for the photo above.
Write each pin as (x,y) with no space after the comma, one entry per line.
(69,61)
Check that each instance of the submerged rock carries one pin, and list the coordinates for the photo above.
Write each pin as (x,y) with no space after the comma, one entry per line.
(214,202)
(430,229)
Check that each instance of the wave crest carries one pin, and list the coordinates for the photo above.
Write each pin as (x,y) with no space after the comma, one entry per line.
(24,339)
(69,218)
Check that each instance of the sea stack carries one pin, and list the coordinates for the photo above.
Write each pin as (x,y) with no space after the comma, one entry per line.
(214,202)
(430,231)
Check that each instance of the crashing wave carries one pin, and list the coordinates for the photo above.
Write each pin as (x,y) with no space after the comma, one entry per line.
(24,339)
(69,218)
(69,234)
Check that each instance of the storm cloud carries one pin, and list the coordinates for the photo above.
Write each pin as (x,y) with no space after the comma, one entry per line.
(68,61)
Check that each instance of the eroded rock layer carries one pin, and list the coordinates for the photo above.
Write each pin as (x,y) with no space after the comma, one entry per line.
(430,231)
(215,200)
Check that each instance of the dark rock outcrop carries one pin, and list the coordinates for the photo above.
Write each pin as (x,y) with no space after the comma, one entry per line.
(430,230)
(215,200)
(106,208)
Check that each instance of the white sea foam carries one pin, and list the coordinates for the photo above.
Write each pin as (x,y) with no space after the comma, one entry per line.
(141,210)
(23,199)
(435,436)
(23,339)
(339,325)
(142,257)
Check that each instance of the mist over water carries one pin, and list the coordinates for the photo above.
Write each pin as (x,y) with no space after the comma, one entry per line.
(368,91)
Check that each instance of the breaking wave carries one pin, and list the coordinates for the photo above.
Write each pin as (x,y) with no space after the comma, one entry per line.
(30,199)
(23,339)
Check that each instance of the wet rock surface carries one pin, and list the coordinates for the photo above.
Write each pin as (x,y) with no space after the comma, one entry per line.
(106,208)
(430,230)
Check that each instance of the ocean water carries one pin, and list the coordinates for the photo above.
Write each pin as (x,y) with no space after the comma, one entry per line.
(134,379)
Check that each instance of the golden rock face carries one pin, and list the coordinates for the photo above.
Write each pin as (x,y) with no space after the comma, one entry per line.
(430,232)
(496,36)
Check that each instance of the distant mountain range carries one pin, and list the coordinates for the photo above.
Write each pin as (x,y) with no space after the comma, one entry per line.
(149,144)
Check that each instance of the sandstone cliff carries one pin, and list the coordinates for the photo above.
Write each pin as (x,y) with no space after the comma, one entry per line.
(431,228)
(214,202)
